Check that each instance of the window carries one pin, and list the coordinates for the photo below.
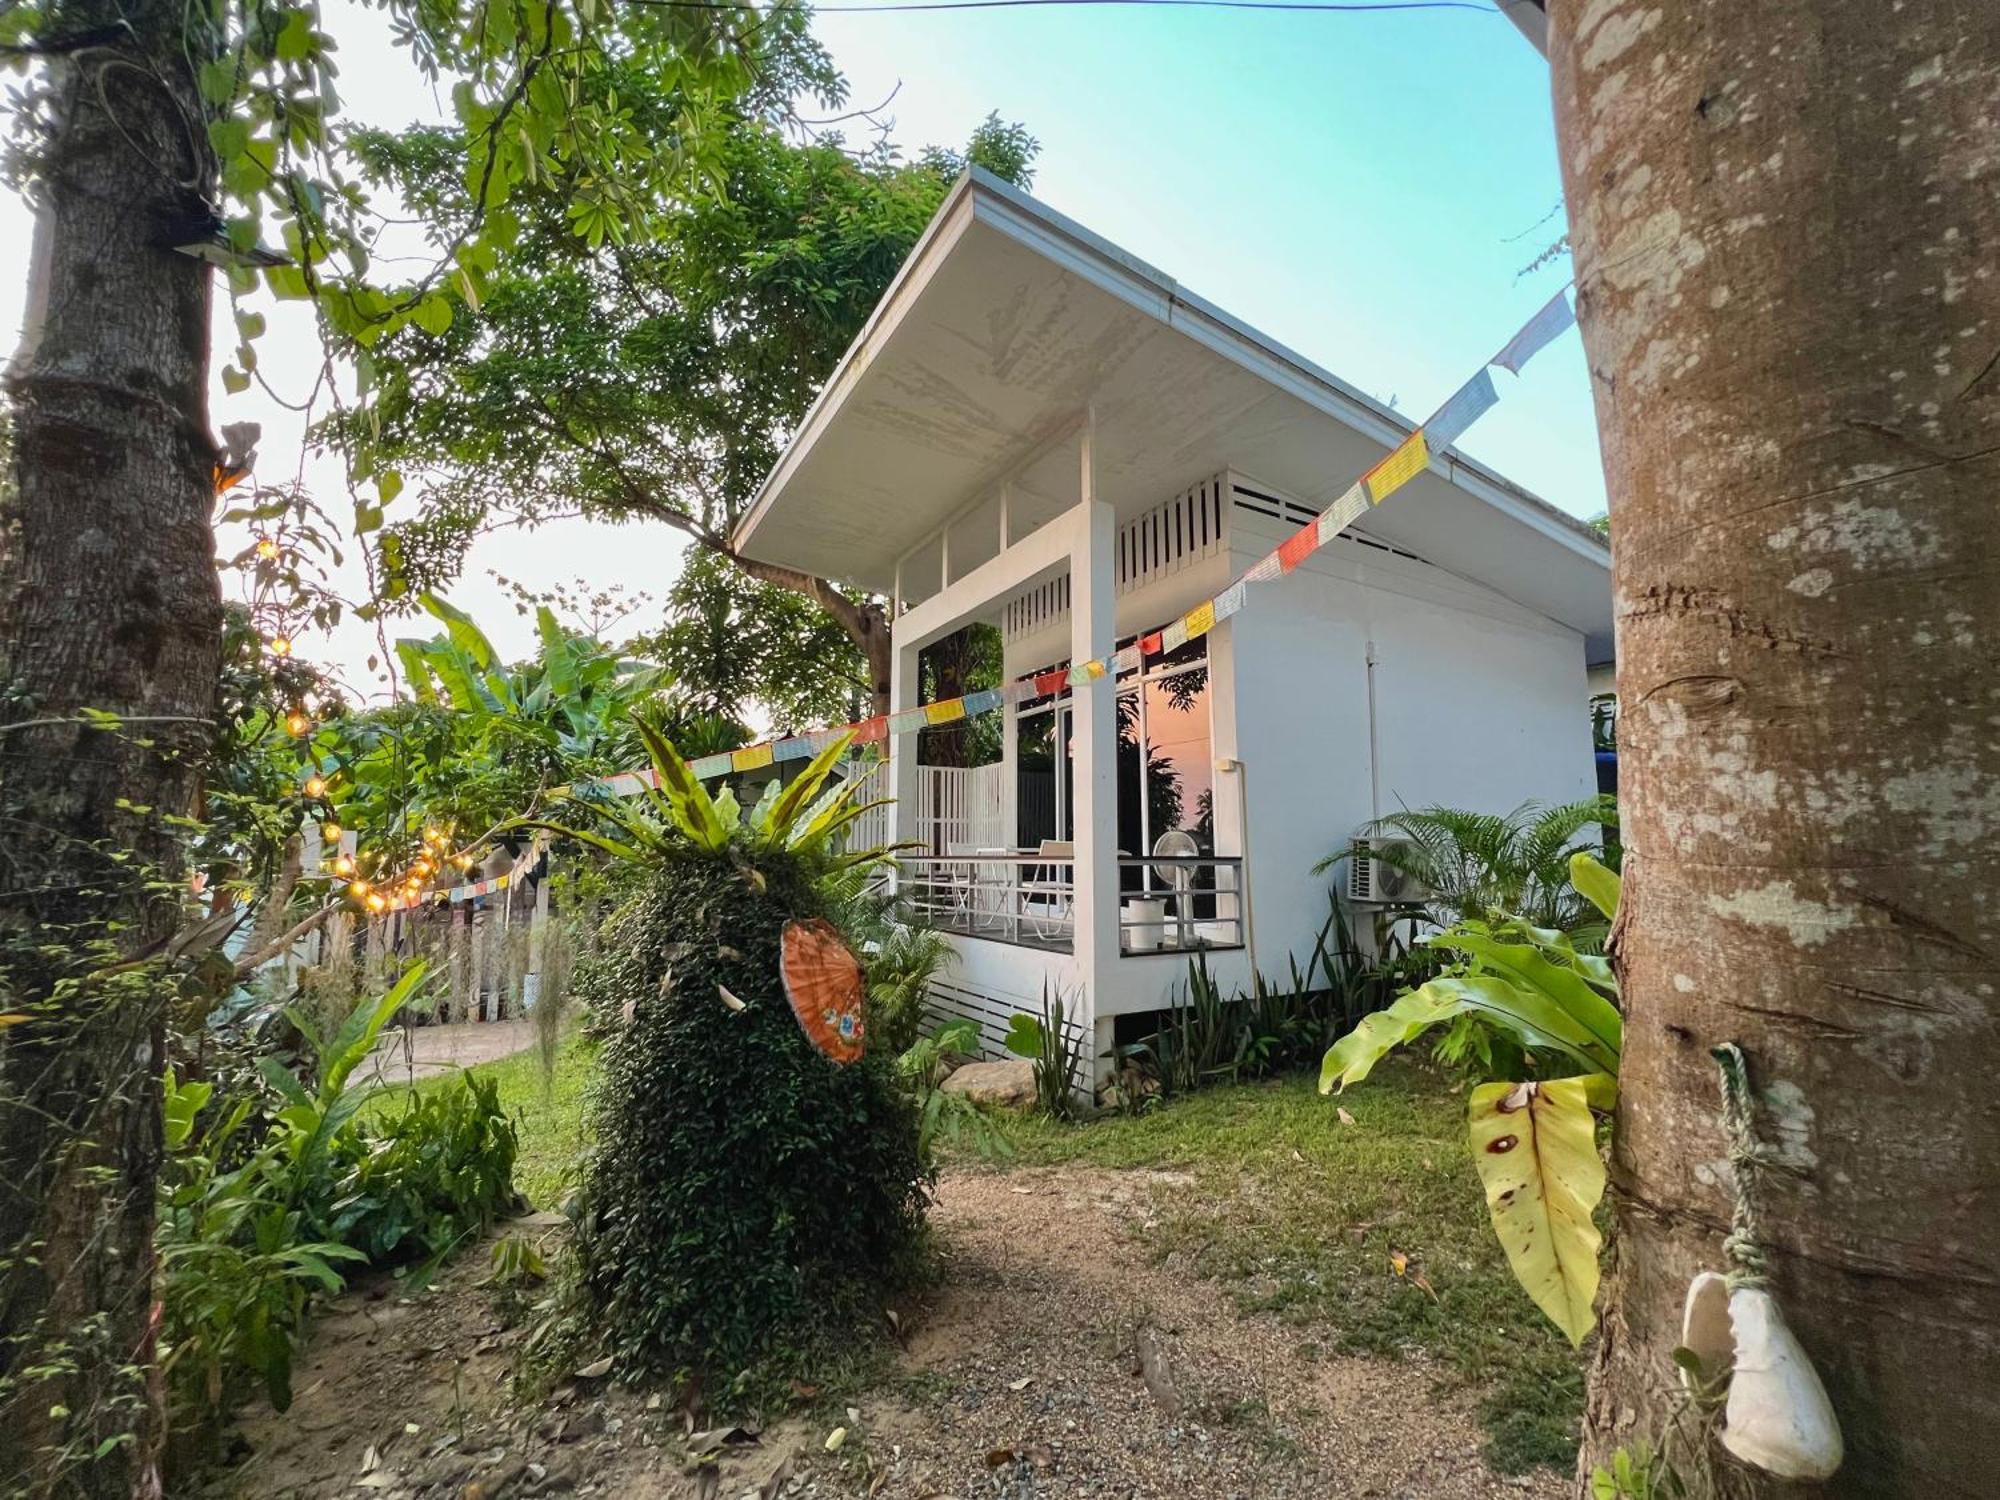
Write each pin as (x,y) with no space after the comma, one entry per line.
(1165,761)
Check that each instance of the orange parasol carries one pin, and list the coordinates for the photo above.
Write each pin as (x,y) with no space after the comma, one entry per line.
(823,982)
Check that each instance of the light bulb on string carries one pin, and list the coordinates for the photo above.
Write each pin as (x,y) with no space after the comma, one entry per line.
(330,832)
(343,866)
(297,724)
(315,786)
(281,645)
(377,902)
(267,549)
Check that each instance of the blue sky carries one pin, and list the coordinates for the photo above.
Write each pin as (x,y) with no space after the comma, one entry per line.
(1363,187)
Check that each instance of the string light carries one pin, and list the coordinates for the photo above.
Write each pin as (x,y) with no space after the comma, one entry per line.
(267,549)
(297,724)
(377,902)
(281,645)
(315,786)
(343,866)
(331,832)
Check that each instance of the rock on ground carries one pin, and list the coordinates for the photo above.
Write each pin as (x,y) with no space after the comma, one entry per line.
(1000,1085)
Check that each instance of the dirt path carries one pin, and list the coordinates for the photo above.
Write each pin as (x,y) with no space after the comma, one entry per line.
(1018,1382)
(420,1051)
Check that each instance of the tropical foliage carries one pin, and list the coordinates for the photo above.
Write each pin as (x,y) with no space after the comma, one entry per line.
(1533,1140)
(272,1197)
(654,379)
(1473,864)
(944,1117)
(747,1201)
(1053,1043)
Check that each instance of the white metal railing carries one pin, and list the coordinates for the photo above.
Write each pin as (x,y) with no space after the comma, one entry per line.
(1165,905)
(958,807)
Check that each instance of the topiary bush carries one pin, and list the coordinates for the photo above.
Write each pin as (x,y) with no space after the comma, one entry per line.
(747,1203)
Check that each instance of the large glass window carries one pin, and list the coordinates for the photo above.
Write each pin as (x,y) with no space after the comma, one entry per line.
(1165,762)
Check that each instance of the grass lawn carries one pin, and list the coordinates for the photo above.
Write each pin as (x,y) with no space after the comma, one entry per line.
(1304,1217)
(1301,1216)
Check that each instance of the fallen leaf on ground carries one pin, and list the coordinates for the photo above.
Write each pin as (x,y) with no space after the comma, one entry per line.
(1022,1384)
(1399,1262)
(835,1438)
(597,1369)
(1345,1117)
(717,1438)
(996,1457)
(1425,1282)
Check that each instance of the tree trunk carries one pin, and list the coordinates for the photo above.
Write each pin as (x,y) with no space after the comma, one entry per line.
(1786,226)
(108,601)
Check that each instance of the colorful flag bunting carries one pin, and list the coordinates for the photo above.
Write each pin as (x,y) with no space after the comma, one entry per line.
(1467,405)
(1343,513)
(1554,318)
(1299,546)
(1409,460)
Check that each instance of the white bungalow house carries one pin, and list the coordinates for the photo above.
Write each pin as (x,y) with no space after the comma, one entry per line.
(1039,431)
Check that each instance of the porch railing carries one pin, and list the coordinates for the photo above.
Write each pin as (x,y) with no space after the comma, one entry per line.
(1165,904)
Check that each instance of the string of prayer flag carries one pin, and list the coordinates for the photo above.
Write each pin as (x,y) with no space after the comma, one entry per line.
(1402,464)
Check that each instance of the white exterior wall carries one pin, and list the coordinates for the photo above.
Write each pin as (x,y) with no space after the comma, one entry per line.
(1479,703)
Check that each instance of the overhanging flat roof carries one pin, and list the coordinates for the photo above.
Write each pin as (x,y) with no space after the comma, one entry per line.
(1008,322)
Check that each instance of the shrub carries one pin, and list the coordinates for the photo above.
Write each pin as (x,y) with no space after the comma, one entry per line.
(747,1201)
(261,1209)
(900,971)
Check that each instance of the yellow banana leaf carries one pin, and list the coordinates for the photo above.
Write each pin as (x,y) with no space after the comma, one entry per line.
(1535,1145)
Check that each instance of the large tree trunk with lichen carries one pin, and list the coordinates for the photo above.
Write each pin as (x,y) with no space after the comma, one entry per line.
(1786,226)
(108,602)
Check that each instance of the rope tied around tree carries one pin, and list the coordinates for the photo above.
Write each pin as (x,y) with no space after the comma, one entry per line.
(1749,1264)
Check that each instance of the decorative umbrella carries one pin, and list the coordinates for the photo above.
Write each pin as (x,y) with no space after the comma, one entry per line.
(824,984)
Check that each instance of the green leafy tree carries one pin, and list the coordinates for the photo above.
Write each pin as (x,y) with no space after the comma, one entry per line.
(653,381)
(731,641)
(159,140)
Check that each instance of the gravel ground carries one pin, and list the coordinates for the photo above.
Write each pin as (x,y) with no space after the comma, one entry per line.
(1019,1381)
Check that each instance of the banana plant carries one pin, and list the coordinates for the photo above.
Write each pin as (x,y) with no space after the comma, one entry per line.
(1535,1143)
(573,696)
(804,817)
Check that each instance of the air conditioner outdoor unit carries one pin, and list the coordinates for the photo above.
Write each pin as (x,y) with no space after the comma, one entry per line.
(1375,882)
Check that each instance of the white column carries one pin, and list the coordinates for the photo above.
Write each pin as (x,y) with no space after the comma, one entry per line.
(904,685)
(1094,728)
